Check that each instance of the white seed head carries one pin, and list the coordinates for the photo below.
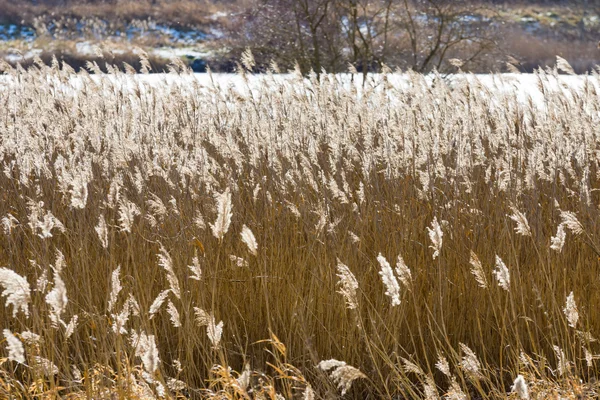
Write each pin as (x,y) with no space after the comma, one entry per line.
(348,285)
(410,366)
(157,303)
(521,220)
(249,239)
(343,375)
(31,338)
(146,349)
(569,219)
(224,208)
(115,288)
(127,213)
(520,388)
(44,366)
(455,392)
(389,280)
(165,261)
(213,331)
(502,274)
(442,365)
(70,327)
(57,300)
(16,352)
(403,273)
(196,268)
(469,362)
(9,222)
(16,290)
(173,314)
(557,242)
(430,389)
(102,231)
(436,236)
(477,271)
(562,365)
(571,311)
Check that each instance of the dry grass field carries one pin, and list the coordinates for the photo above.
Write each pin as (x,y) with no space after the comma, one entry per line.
(297,238)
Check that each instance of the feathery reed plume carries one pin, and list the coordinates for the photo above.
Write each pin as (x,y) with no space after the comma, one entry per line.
(174,314)
(115,288)
(248,59)
(146,350)
(569,219)
(57,299)
(442,365)
(156,206)
(436,236)
(213,331)
(564,66)
(293,209)
(562,364)
(520,388)
(9,222)
(176,385)
(455,392)
(42,282)
(430,389)
(589,357)
(102,231)
(238,261)
(16,352)
(571,311)
(557,242)
(309,394)
(469,362)
(70,327)
(502,274)
(348,285)
(79,192)
(521,220)
(343,374)
(389,280)
(410,366)
(512,68)
(195,267)
(16,290)
(127,213)
(165,261)
(47,224)
(243,380)
(477,270)
(224,208)
(158,302)
(131,307)
(403,272)
(31,338)
(44,366)
(353,237)
(199,221)
(249,239)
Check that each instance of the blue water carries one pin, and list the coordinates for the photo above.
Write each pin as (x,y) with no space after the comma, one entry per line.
(178,36)
(19,32)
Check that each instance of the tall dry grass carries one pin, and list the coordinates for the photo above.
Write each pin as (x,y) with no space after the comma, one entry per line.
(297,237)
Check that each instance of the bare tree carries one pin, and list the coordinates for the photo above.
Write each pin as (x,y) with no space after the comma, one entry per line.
(293,31)
(329,34)
(440,29)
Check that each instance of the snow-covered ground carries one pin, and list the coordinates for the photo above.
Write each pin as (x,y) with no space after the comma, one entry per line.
(524,86)
(534,88)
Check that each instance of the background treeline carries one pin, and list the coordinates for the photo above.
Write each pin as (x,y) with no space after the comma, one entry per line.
(421,35)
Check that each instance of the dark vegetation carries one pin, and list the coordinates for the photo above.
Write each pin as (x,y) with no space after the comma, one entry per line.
(422,35)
